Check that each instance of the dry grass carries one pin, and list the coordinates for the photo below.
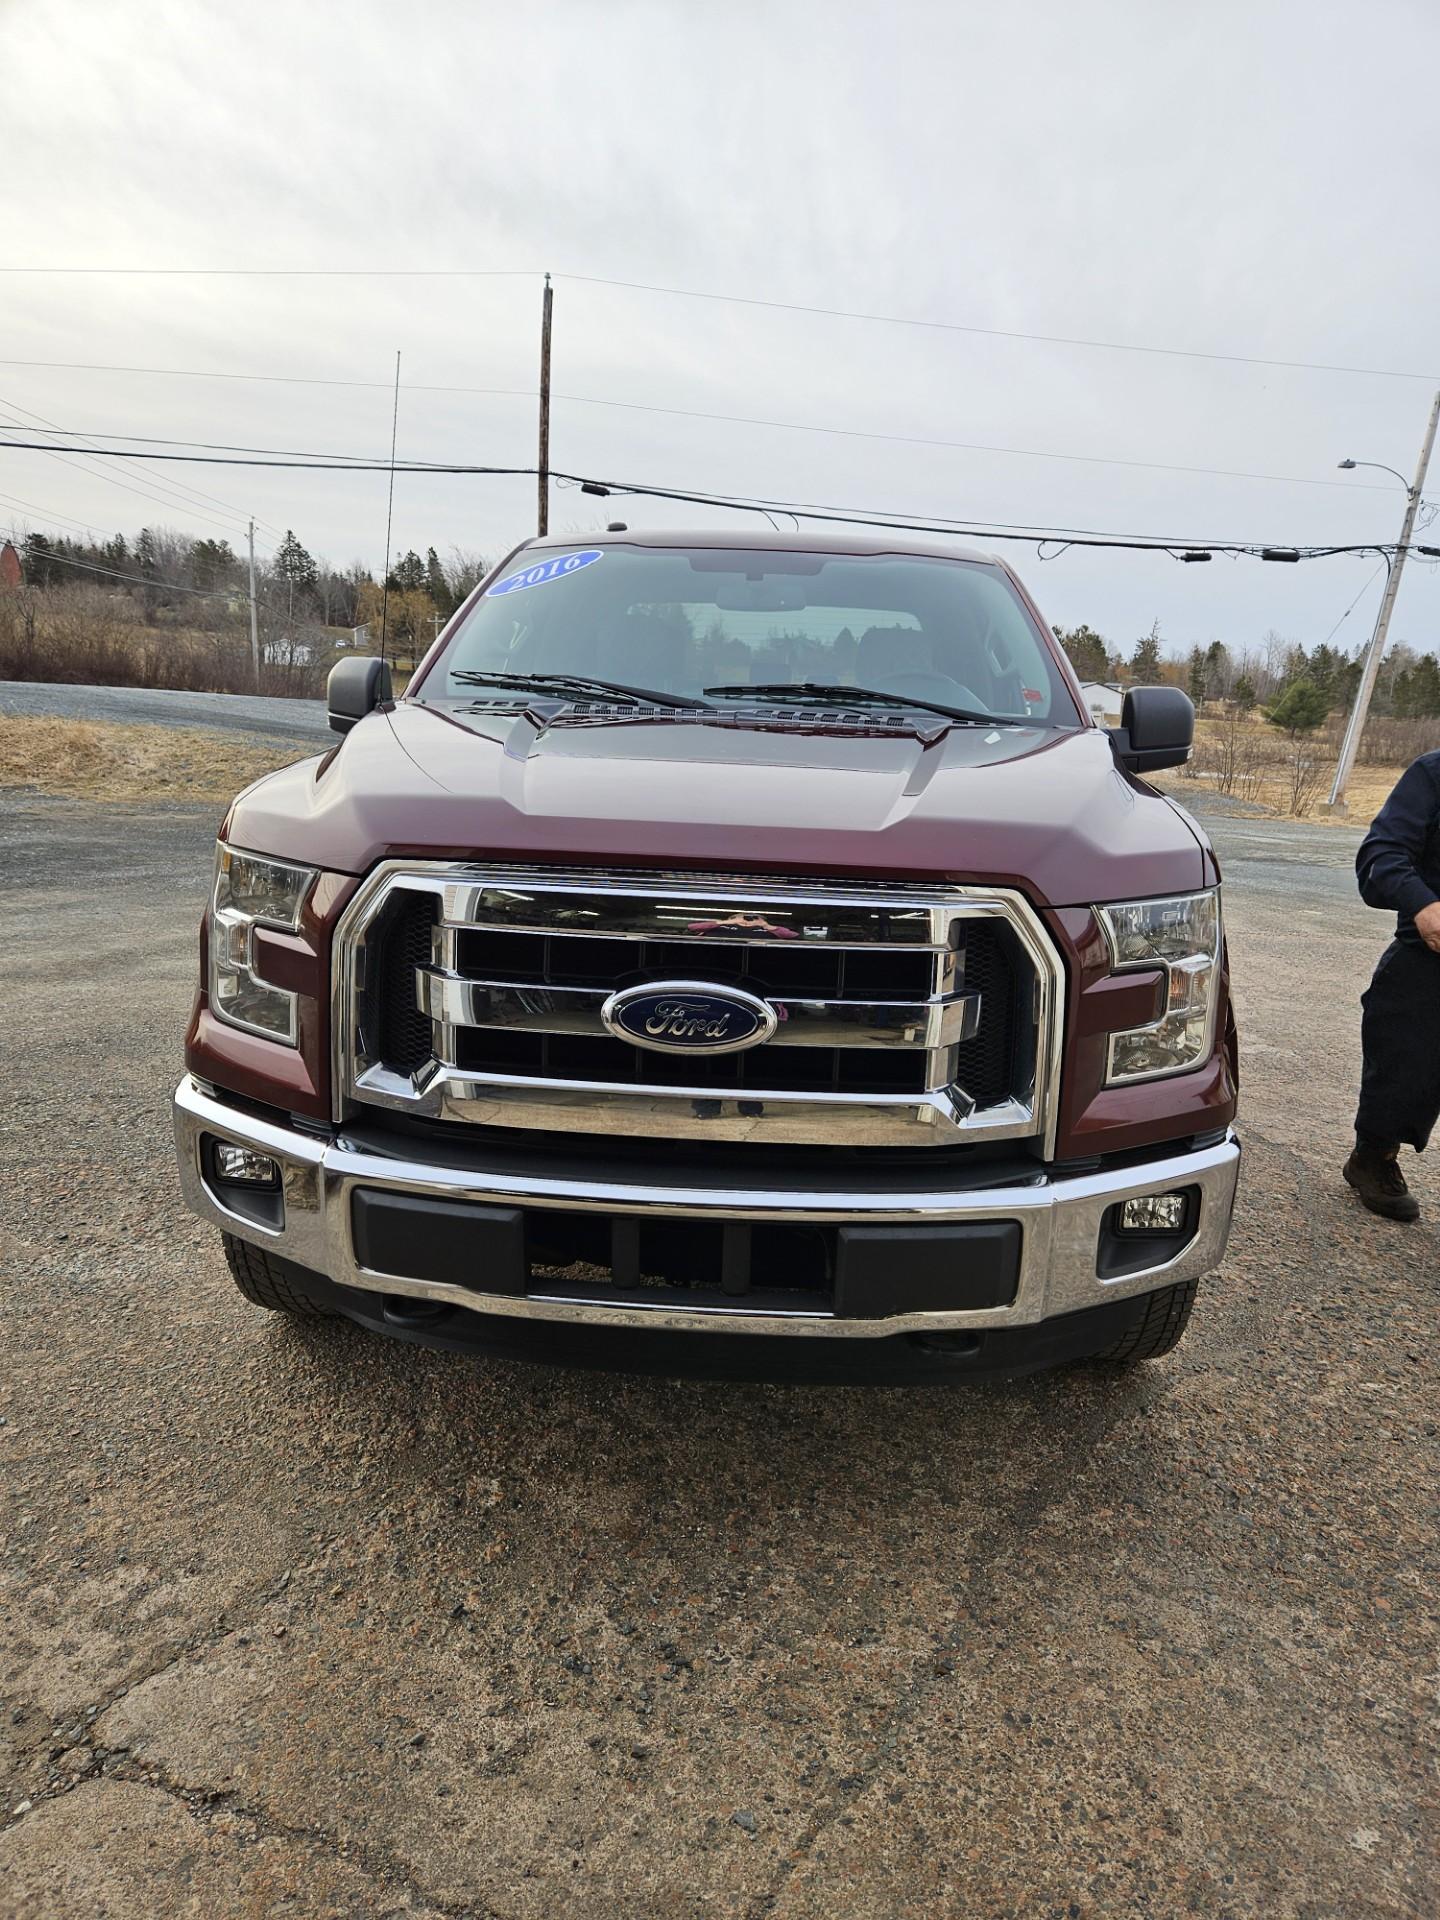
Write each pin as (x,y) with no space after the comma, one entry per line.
(1253,762)
(93,761)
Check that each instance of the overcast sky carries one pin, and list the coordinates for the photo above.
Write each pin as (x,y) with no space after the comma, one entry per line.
(1245,179)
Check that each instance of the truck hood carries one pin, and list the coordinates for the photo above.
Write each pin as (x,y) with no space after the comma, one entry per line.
(1049,813)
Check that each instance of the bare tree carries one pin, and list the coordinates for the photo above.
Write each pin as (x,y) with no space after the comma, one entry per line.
(1307,772)
(464,571)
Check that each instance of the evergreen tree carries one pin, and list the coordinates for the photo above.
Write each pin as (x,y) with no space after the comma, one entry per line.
(408,575)
(1323,667)
(1198,678)
(1244,693)
(1217,670)
(1425,688)
(293,565)
(1301,708)
(147,562)
(212,564)
(40,567)
(1145,661)
(1086,650)
(436,584)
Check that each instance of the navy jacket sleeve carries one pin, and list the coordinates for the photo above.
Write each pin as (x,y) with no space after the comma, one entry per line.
(1399,860)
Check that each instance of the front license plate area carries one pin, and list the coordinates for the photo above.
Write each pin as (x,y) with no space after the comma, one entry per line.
(946,1268)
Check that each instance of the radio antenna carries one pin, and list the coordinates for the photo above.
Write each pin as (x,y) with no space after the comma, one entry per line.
(390,509)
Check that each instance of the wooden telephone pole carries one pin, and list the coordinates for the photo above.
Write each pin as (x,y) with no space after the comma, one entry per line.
(542,521)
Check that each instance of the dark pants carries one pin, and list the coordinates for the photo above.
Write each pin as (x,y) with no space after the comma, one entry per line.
(1400,1036)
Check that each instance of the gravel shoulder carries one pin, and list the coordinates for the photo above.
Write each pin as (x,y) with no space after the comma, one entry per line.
(294,1620)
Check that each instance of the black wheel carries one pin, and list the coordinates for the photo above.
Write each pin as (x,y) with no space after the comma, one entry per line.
(1157,1329)
(270,1282)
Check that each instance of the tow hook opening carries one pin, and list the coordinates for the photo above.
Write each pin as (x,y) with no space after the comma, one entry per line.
(401,1310)
(959,1346)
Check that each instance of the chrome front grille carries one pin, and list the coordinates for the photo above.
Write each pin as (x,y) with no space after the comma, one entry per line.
(474,995)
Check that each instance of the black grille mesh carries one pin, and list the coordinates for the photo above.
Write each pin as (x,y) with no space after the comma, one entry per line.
(775,1067)
(401,943)
(778,968)
(984,1066)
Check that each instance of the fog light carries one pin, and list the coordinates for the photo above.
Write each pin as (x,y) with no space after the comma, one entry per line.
(244,1166)
(1153,1213)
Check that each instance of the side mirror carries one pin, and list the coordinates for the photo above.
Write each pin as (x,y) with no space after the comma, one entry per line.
(356,687)
(1157,729)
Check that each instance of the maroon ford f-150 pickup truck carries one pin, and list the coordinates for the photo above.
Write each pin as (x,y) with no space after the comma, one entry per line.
(729,945)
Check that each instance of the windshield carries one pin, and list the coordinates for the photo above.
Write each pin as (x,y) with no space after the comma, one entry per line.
(676,621)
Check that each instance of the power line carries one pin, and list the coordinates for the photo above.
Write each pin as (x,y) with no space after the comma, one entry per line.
(793,426)
(177,488)
(172,501)
(690,413)
(743,300)
(963,446)
(1175,545)
(1354,603)
(308,463)
(995,333)
(297,273)
(49,517)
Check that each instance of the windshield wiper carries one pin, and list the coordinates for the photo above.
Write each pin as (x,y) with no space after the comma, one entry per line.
(567,683)
(846,697)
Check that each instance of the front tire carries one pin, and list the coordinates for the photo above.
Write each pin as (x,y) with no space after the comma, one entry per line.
(268,1281)
(1157,1330)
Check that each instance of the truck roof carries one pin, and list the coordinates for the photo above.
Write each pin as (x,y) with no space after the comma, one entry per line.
(868,541)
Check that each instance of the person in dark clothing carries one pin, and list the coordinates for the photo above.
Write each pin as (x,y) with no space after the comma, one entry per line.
(1398,867)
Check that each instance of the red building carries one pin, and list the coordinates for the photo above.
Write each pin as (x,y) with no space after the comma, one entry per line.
(10,574)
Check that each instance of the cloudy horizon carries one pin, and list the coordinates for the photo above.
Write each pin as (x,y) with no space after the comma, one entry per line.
(1248,183)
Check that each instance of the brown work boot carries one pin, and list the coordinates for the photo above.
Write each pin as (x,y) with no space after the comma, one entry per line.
(1374,1173)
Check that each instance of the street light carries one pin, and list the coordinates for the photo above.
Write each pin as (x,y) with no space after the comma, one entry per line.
(1349,466)
(1355,726)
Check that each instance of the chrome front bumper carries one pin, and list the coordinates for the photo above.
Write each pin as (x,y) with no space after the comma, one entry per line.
(1060,1222)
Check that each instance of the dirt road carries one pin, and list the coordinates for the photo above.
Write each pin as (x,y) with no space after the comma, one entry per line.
(296,1622)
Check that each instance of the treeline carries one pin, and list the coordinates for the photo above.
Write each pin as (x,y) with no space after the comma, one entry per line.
(165,609)
(1273,673)
(171,611)
(162,570)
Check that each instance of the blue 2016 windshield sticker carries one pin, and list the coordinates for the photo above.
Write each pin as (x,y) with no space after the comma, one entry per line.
(544,571)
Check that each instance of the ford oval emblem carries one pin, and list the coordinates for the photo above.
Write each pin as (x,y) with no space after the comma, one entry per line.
(689,1016)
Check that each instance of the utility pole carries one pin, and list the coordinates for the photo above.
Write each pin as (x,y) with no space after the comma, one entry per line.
(254,620)
(1356,726)
(542,521)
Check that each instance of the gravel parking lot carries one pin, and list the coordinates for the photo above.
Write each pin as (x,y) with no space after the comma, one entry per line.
(299,1622)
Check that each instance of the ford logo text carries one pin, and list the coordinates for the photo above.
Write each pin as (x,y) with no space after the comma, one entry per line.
(689,1016)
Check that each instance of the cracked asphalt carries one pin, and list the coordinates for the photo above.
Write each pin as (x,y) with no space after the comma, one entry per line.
(297,1622)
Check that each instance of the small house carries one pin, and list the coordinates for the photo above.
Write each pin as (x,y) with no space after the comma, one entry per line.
(1103,701)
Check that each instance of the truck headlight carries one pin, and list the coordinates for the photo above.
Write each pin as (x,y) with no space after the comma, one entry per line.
(250,893)
(1182,937)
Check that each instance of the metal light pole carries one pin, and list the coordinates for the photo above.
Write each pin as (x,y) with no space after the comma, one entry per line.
(1350,746)
(542,516)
